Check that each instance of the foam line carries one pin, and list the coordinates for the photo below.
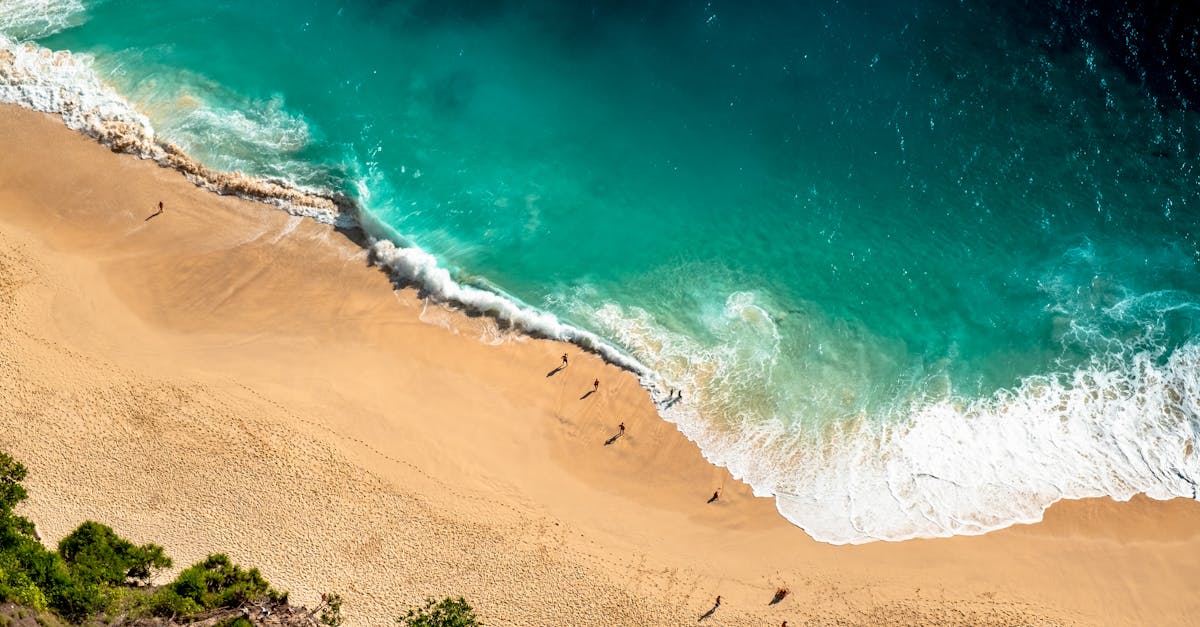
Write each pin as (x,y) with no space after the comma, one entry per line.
(66,84)
(967,467)
(418,267)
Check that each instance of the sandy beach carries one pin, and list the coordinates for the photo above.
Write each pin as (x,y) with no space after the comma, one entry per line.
(227,377)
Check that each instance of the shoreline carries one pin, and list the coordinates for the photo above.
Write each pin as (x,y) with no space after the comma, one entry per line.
(94,109)
(224,378)
(61,83)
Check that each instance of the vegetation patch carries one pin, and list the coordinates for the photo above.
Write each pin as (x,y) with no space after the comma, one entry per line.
(96,577)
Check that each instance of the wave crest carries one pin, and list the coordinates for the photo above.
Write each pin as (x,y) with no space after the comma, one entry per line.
(413,265)
(954,468)
(67,84)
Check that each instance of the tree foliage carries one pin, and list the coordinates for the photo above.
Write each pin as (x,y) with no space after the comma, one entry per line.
(96,554)
(95,570)
(213,583)
(12,473)
(445,613)
(79,581)
(16,585)
(93,565)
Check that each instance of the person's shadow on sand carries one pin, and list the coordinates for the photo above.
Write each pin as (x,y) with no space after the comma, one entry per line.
(555,371)
(590,392)
(705,616)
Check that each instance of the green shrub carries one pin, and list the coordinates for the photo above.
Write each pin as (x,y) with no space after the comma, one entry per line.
(33,573)
(34,576)
(13,529)
(331,610)
(150,559)
(12,473)
(166,602)
(214,583)
(77,601)
(237,621)
(91,571)
(445,613)
(17,587)
(96,554)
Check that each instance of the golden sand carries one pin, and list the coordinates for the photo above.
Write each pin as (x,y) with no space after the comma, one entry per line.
(226,377)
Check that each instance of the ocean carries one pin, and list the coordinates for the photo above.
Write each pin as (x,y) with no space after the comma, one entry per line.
(920,268)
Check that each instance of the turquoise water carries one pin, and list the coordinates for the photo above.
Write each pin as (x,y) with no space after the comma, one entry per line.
(921,267)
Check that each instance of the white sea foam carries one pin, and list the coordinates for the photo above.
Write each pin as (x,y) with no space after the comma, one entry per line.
(971,467)
(246,130)
(226,129)
(413,265)
(1125,425)
(67,84)
(23,20)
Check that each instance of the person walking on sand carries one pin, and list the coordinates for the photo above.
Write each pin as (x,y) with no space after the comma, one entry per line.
(621,428)
(718,603)
(716,495)
(564,365)
(596,385)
